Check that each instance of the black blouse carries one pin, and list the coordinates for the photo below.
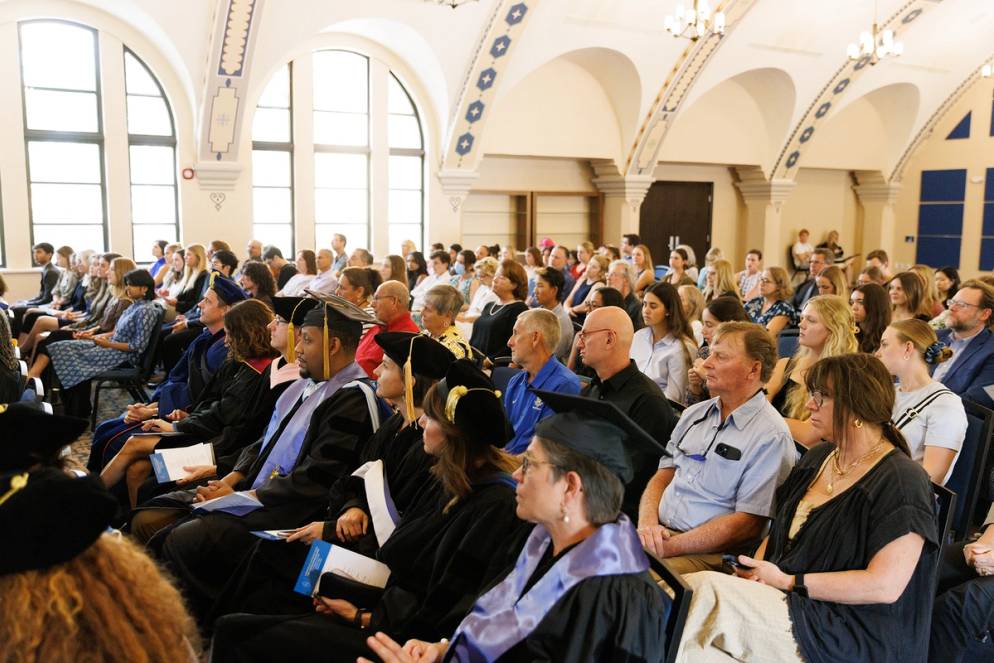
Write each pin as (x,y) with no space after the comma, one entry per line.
(494,326)
(893,499)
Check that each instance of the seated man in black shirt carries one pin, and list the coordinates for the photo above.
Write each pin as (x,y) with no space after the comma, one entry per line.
(604,344)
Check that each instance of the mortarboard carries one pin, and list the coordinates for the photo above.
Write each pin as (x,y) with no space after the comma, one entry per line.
(292,310)
(336,313)
(30,435)
(473,405)
(51,517)
(227,291)
(416,353)
(597,429)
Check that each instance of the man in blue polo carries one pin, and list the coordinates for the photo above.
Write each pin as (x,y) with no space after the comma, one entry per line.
(532,343)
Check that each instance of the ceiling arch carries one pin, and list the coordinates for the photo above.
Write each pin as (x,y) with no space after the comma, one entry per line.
(740,121)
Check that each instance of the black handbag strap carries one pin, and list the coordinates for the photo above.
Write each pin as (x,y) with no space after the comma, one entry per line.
(914,411)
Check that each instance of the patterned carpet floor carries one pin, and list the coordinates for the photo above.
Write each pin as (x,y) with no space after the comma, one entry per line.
(112,404)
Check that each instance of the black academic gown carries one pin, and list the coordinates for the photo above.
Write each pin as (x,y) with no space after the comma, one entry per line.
(439,564)
(203,550)
(617,618)
(264,582)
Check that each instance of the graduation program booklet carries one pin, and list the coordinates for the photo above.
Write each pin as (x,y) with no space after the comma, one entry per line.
(169,463)
(326,558)
(237,504)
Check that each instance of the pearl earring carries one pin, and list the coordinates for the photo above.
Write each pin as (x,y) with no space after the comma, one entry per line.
(565,514)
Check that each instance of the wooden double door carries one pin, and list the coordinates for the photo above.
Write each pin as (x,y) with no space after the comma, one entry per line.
(675,213)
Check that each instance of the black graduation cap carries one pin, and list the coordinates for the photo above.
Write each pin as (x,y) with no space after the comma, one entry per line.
(29,435)
(292,310)
(50,517)
(336,313)
(227,290)
(597,429)
(417,353)
(474,405)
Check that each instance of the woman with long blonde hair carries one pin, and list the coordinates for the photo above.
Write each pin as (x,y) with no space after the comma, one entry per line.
(827,329)
(720,282)
(931,299)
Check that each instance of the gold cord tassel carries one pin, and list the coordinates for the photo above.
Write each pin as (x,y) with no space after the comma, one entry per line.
(409,382)
(291,352)
(327,368)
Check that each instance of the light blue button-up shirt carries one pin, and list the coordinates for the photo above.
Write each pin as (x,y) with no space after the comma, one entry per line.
(702,490)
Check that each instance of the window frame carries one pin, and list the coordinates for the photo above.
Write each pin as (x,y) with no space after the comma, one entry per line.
(408,152)
(48,135)
(150,140)
(278,146)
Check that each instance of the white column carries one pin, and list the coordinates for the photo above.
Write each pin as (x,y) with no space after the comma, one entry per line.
(446,219)
(764,201)
(878,197)
(623,198)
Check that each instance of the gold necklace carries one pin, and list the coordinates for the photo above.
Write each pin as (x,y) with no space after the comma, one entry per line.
(838,473)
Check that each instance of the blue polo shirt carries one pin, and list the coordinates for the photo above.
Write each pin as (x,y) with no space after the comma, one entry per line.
(525,409)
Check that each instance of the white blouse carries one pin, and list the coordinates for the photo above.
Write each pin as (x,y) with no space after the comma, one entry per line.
(295,286)
(941,423)
(664,361)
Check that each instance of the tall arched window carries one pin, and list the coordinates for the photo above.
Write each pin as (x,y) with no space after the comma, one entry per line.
(341,147)
(60,76)
(364,132)
(152,154)
(272,164)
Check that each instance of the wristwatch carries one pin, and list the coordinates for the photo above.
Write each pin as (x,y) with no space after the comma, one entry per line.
(799,588)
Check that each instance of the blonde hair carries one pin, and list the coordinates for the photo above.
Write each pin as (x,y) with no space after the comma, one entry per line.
(603,263)
(836,316)
(782,280)
(837,278)
(120,267)
(931,290)
(695,301)
(921,335)
(724,282)
(486,267)
(190,274)
(109,603)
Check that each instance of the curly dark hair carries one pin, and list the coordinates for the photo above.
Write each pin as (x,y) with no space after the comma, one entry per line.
(246,327)
(260,275)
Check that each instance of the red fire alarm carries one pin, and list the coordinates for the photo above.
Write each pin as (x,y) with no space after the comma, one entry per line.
(188,173)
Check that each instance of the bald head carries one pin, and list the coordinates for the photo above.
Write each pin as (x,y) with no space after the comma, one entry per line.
(606,340)
(391,301)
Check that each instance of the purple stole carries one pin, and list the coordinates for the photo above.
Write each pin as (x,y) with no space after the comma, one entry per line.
(283,456)
(500,619)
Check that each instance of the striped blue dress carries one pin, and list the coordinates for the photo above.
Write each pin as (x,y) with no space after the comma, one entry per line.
(77,361)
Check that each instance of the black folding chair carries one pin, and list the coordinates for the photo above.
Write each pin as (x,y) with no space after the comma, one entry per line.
(945,504)
(968,474)
(787,342)
(676,616)
(131,378)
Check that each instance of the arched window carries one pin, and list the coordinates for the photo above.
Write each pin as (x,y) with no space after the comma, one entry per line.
(365,134)
(152,157)
(60,76)
(272,165)
(341,147)
(68,145)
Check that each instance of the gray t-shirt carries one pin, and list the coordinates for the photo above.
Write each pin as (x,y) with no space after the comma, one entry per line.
(940,423)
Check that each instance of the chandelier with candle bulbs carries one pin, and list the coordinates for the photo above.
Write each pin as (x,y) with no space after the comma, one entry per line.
(696,22)
(875,44)
(451,3)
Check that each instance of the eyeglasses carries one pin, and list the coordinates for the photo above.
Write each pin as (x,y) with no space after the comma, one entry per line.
(765,280)
(959,303)
(377,298)
(818,398)
(527,462)
(585,334)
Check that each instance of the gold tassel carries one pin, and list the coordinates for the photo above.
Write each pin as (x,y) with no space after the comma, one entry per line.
(327,368)
(409,381)
(213,276)
(17,482)
(291,341)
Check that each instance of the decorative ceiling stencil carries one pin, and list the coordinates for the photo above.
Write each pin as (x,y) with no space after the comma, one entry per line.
(789,158)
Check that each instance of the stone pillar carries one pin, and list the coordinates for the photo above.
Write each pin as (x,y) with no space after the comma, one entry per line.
(764,201)
(623,198)
(446,220)
(878,198)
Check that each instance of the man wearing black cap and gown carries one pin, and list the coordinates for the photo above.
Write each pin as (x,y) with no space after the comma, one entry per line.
(444,550)
(364,506)
(185,382)
(313,439)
